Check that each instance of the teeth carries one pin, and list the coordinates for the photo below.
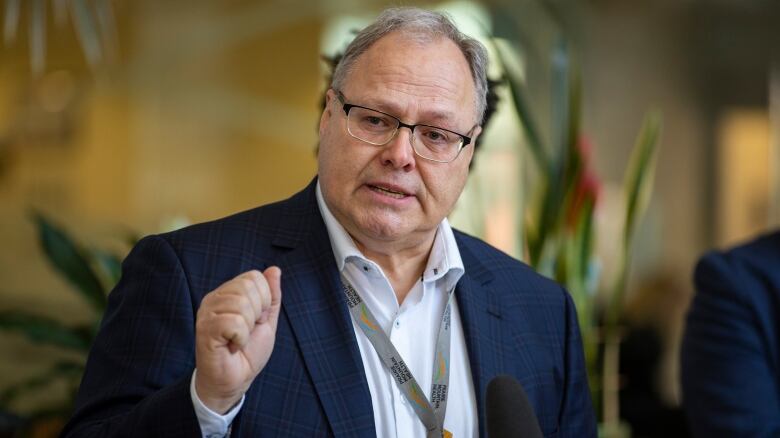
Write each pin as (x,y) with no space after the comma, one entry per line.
(387,192)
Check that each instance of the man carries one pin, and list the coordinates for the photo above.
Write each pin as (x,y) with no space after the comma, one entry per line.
(372,317)
(731,347)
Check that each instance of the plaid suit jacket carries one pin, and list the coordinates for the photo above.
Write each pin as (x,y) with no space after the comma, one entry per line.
(138,372)
(730,356)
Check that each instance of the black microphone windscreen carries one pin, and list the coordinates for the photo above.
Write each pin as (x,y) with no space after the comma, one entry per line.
(509,413)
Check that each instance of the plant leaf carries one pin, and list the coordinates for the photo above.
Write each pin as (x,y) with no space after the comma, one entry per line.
(60,370)
(104,12)
(60,12)
(638,185)
(553,12)
(11,23)
(84,23)
(585,231)
(561,101)
(38,37)
(522,110)
(640,173)
(68,259)
(109,265)
(566,163)
(46,330)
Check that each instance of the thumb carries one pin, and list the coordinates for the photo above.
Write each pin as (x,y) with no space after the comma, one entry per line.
(274,277)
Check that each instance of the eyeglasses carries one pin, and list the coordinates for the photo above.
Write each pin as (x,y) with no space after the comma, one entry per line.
(377,128)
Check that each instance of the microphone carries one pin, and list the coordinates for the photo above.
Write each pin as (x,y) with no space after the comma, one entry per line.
(509,413)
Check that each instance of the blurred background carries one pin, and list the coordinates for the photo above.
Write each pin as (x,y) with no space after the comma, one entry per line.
(123,118)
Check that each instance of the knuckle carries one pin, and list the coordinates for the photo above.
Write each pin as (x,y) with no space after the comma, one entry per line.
(240,300)
(235,320)
(247,285)
(252,275)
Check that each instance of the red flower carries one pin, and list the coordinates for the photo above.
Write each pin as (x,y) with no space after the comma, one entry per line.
(587,185)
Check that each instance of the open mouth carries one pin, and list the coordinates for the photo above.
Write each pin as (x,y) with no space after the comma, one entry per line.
(388,192)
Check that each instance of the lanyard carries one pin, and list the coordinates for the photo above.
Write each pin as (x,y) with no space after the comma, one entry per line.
(430,413)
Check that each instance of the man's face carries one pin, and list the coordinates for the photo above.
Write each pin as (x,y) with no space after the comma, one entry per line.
(419,83)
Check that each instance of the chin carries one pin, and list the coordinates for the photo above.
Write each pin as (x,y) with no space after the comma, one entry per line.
(382,228)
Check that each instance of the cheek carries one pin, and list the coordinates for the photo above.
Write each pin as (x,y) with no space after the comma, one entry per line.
(443,187)
(329,170)
(341,164)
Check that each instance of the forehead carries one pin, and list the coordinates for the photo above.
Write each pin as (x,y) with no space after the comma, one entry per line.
(422,79)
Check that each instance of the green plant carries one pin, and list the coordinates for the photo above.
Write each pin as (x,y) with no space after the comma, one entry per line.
(93,22)
(91,273)
(559,226)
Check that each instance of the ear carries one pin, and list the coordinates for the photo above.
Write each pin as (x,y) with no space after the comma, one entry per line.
(475,134)
(326,112)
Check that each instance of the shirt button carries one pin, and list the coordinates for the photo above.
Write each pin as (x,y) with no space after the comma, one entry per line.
(397,323)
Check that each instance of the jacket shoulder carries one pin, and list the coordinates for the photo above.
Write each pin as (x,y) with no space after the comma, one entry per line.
(758,258)
(284,221)
(498,261)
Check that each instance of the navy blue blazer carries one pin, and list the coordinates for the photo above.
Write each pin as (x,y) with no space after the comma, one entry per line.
(731,347)
(138,373)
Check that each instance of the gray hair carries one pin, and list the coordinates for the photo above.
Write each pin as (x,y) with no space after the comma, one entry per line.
(422,26)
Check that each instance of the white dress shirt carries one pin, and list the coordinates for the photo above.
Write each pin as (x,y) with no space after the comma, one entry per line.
(412,327)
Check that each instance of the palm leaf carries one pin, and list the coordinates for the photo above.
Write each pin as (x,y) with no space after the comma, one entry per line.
(11,23)
(87,31)
(38,36)
(68,259)
(640,173)
(60,12)
(522,109)
(109,265)
(585,236)
(46,330)
(566,165)
(553,13)
(60,370)
(638,185)
(104,12)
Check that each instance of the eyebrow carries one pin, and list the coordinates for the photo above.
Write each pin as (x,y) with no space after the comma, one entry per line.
(432,117)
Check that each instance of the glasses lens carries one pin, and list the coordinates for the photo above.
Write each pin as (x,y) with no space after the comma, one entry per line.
(371,126)
(436,143)
(429,142)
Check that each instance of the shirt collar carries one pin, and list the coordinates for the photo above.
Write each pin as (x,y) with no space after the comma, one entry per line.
(444,259)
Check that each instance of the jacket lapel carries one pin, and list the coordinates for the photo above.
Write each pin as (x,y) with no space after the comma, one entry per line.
(318,315)
(482,325)
(315,307)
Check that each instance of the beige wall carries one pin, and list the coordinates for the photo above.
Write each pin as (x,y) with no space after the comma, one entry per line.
(205,116)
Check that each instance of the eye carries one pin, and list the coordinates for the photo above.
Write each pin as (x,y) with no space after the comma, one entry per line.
(374,120)
(433,136)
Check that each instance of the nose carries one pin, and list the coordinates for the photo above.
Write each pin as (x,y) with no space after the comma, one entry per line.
(399,152)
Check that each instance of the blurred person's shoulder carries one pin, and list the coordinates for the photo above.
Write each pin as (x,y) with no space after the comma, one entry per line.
(743,269)
(762,251)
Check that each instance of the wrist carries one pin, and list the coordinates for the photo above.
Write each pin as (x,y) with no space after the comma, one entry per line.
(218,402)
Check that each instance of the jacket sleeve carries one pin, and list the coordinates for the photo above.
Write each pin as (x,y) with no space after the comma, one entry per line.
(729,379)
(577,418)
(138,372)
